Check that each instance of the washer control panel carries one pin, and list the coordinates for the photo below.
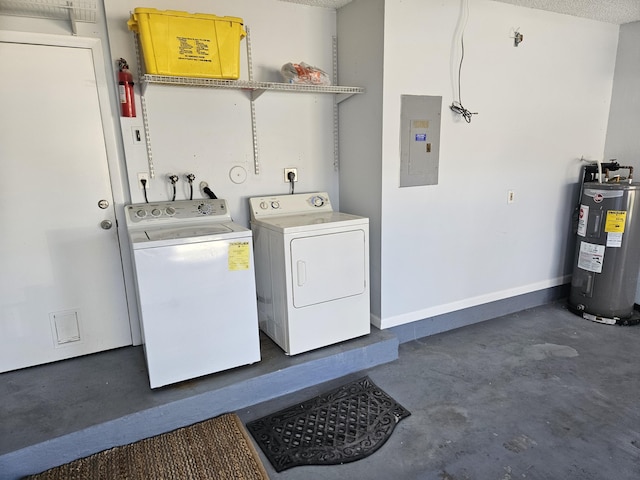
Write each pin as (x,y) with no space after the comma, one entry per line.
(181,210)
(290,204)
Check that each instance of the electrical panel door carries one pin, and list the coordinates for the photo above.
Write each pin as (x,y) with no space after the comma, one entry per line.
(419,140)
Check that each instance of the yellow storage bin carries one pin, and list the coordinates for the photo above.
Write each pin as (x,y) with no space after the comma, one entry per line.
(188,45)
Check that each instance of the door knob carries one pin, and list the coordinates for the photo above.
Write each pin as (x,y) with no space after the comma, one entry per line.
(106,224)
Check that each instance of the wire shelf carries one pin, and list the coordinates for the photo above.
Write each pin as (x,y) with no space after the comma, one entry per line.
(77,10)
(246,85)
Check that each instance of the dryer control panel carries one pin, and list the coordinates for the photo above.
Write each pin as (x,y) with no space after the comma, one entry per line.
(289,204)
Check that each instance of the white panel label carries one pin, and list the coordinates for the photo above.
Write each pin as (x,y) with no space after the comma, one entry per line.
(602,194)
(614,239)
(591,257)
(583,218)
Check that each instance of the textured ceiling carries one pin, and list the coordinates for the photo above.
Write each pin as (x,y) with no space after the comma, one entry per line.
(322,3)
(610,11)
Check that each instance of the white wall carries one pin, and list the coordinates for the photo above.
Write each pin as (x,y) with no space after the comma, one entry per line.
(208,131)
(623,140)
(441,248)
(361,63)
(541,107)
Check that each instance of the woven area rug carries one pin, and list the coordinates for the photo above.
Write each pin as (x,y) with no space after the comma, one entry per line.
(219,448)
(340,426)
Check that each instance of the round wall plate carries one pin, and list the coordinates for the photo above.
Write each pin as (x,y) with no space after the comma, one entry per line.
(238,174)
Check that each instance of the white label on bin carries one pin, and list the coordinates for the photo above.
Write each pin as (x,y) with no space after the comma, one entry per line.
(591,257)
(583,218)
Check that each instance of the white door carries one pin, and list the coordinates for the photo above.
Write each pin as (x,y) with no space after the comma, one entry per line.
(61,279)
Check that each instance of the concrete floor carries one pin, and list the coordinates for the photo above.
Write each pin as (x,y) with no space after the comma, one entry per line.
(539,394)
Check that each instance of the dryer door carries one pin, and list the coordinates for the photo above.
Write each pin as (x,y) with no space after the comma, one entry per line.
(328,267)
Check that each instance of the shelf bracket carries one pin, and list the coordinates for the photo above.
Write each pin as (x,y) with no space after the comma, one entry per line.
(341,97)
(256,93)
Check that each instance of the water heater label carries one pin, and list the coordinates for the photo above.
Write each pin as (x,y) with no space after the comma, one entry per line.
(583,218)
(614,239)
(591,257)
(615,221)
(602,194)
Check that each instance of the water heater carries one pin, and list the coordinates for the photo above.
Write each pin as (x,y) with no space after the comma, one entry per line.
(607,258)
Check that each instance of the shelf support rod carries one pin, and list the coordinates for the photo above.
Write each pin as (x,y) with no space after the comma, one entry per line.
(143,103)
(336,100)
(254,95)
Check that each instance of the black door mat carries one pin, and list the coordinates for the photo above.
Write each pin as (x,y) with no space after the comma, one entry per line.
(340,426)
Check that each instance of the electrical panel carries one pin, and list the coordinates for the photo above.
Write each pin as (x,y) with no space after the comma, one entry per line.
(419,140)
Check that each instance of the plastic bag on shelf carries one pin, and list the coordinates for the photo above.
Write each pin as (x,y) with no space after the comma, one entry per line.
(304,74)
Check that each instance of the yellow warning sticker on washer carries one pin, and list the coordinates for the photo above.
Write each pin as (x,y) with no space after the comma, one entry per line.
(615,221)
(239,256)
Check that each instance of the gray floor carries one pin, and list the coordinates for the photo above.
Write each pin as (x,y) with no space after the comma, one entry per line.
(539,394)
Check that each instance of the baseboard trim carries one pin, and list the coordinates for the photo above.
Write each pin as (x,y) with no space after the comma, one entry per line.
(401,319)
(468,316)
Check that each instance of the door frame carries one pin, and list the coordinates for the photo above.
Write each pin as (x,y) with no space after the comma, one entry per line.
(115,158)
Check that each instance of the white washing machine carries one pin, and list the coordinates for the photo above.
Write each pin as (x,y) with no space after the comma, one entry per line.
(196,288)
(312,271)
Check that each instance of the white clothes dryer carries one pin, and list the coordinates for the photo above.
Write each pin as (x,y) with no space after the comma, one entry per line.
(312,271)
(196,288)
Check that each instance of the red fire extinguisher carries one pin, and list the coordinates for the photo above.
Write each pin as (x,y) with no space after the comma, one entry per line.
(125,87)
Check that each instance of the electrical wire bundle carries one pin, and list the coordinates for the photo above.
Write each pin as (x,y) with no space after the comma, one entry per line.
(456,106)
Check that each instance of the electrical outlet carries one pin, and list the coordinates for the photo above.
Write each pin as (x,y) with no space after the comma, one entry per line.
(511,196)
(143,176)
(286,174)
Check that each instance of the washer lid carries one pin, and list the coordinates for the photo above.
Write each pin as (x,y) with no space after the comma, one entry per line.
(310,221)
(185,232)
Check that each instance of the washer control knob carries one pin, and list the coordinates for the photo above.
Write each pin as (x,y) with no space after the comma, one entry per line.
(170,211)
(205,209)
(317,201)
(141,213)
(264,205)
(275,204)
(156,212)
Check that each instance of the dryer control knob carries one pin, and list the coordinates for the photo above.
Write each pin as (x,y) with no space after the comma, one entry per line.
(317,201)
(275,204)
(170,211)
(156,212)
(264,205)
(141,213)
